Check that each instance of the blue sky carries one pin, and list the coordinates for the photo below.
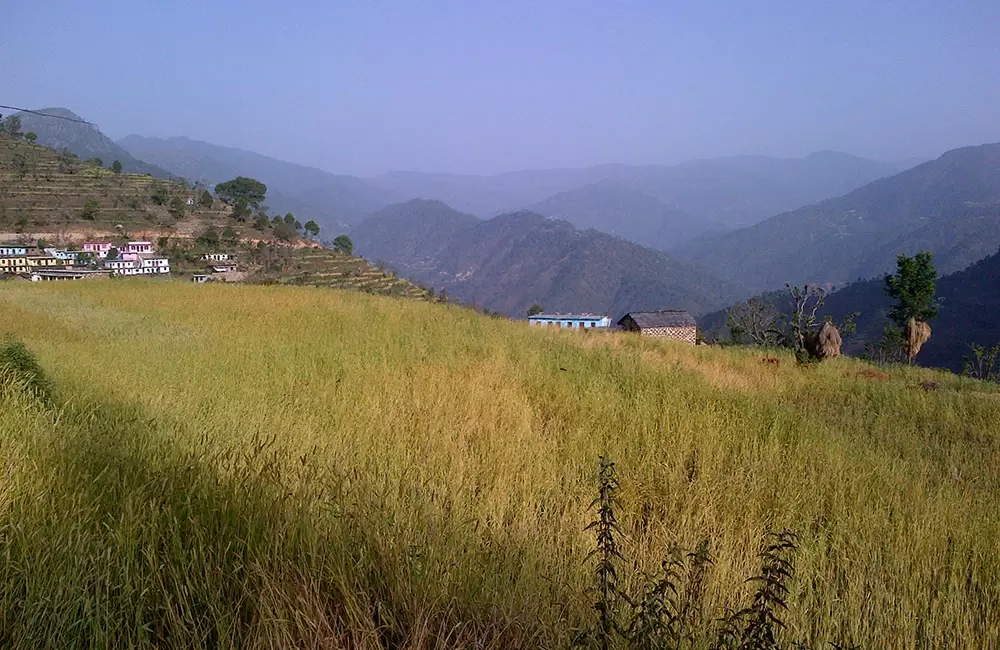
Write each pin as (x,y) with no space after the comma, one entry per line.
(469,86)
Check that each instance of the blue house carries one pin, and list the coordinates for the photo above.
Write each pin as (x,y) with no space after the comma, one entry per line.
(574,321)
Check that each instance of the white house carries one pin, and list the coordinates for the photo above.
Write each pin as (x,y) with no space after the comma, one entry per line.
(152,265)
(62,254)
(122,266)
(218,257)
(224,267)
(199,278)
(139,247)
(10,250)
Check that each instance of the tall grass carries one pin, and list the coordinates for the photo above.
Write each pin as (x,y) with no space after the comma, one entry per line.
(237,466)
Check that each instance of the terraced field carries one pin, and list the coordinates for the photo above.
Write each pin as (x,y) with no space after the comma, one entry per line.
(327,268)
(45,191)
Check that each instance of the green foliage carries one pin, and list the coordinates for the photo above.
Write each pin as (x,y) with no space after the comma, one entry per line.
(177,207)
(229,235)
(19,367)
(90,209)
(113,254)
(343,244)
(312,228)
(290,219)
(12,126)
(95,162)
(285,231)
(534,309)
(209,238)
(242,188)
(116,167)
(31,136)
(982,362)
(912,287)
(160,195)
(206,200)
(261,223)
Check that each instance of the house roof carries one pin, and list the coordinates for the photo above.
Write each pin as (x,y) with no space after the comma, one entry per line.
(568,316)
(661,318)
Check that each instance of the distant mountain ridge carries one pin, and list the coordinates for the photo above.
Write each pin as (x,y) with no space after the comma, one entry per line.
(334,201)
(84,140)
(950,206)
(630,214)
(515,260)
(738,190)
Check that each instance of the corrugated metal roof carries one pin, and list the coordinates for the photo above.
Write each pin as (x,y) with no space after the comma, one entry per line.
(568,316)
(661,318)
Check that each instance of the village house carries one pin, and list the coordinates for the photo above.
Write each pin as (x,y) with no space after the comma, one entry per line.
(97,248)
(14,264)
(134,264)
(7,250)
(62,254)
(199,278)
(218,257)
(43,262)
(224,267)
(572,321)
(666,323)
(137,247)
(66,274)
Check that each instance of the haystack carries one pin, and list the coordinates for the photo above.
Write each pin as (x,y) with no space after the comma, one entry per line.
(824,344)
(914,336)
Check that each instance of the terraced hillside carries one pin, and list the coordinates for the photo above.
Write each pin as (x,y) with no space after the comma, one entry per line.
(323,267)
(44,192)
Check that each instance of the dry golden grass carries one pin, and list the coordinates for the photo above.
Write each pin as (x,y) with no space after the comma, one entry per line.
(248,466)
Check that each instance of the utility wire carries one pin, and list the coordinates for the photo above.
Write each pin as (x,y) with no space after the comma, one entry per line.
(57,117)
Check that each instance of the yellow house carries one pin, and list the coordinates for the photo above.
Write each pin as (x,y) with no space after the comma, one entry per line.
(43,261)
(14,264)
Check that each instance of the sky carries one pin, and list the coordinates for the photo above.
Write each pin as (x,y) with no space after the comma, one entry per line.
(480,87)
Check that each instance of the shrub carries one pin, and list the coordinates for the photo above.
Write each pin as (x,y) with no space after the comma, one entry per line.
(19,364)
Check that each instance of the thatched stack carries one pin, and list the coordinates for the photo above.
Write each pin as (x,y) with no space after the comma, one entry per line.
(824,344)
(914,336)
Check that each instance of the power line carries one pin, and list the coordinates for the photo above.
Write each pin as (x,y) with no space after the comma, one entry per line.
(57,117)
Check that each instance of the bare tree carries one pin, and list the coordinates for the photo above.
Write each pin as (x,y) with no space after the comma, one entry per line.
(756,321)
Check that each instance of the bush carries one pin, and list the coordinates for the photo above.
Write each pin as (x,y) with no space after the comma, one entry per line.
(90,209)
(19,364)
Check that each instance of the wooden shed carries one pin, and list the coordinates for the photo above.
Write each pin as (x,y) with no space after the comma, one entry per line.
(666,323)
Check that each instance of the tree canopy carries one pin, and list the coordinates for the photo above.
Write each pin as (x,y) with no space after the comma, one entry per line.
(912,287)
(534,309)
(343,244)
(242,188)
(116,166)
(312,228)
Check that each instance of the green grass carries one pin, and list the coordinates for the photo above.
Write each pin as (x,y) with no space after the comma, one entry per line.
(270,466)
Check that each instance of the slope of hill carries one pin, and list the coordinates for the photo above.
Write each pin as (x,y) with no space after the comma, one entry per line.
(950,206)
(626,213)
(84,140)
(46,193)
(273,467)
(512,261)
(737,191)
(333,201)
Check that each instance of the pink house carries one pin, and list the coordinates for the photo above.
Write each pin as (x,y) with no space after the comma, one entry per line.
(98,248)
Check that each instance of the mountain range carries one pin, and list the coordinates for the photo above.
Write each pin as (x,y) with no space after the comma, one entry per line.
(335,201)
(950,206)
(65,130)
(512,261)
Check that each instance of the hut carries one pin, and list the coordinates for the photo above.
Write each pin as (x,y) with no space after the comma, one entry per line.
(665,323)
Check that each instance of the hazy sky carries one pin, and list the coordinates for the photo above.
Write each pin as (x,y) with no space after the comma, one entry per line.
(470,86)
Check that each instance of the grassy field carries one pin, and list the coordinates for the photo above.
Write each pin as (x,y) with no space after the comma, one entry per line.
(268,466)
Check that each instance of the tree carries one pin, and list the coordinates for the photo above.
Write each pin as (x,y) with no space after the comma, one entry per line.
(209,238)
(912,287)
(229,235)
(116,166)
(290,219)
(312,228)
(241,210)
(31,136)
(12,126)
(177,207)
(261,224)
(285,231)
(160,195)
(90,209)
(343,244)
(206,199)
(112,254)
(534,309)
(756,321)
(95,161)
(248,189)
